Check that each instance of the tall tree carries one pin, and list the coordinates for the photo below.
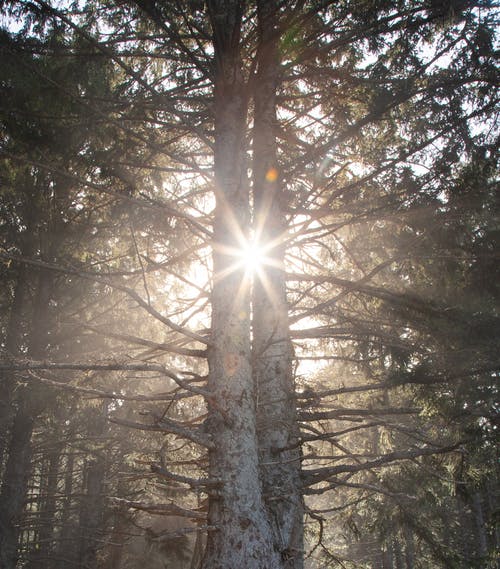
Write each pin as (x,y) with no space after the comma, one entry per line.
(272,347)
(244,534)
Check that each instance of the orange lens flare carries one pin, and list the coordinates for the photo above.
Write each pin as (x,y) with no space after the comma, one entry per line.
(271,175)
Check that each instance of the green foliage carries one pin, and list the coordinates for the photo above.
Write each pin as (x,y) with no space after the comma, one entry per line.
(387,147)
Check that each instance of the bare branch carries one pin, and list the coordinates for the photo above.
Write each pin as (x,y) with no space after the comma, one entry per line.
(160,509)
(169,426)
(314,476)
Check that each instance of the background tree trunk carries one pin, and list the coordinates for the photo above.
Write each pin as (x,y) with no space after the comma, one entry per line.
(409,547)
(398,554)
(48,509)
(31,402)
(91,512)
(13,344)
(16,477)
(481,539)
(91,521)
(66,549)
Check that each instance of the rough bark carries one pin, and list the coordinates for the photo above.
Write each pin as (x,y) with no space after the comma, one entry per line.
(242,535)
(272,348)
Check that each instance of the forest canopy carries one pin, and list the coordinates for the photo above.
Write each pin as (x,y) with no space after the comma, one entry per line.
(249,309)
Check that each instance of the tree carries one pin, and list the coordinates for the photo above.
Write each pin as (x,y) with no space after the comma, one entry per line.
(272,350)
(353,119)
(43,221)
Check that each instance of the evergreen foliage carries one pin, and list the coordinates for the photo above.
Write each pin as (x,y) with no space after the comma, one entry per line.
(162,404)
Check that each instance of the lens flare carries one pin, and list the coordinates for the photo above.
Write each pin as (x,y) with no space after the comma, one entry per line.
(271,175)
(252,257)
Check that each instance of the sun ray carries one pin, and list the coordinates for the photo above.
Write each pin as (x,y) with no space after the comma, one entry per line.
(253,255)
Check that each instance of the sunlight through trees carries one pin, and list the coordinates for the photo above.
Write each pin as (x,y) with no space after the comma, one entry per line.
(250,284)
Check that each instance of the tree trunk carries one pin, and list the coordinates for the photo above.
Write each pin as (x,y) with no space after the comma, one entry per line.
(492,501)
(13,344)
(409,547)
(66,546)
(242,533)
(272,348)
(47,510)
(117,539)
(481,539)
(398,554)
(91,512)
(14,485)
(465,530)
(197,557)
(385,559)
(31,402)
(92,505)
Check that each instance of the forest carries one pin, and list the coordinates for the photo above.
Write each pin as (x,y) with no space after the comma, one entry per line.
(249,284)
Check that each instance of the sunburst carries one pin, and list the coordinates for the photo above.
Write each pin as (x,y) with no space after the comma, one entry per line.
(252,257)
